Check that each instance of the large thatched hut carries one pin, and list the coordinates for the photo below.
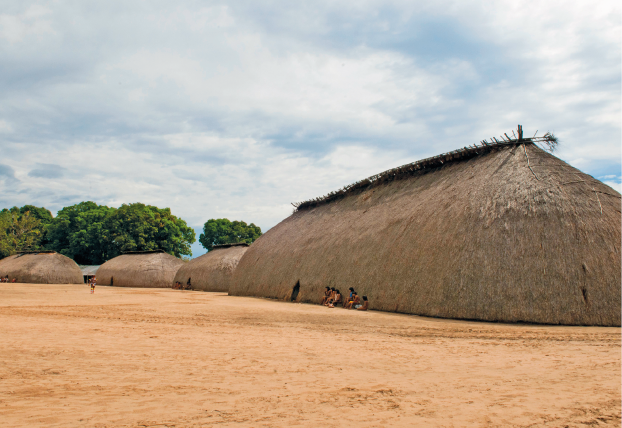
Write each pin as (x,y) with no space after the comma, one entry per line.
(148,269)
(498,232)
(212,271)
(41,267)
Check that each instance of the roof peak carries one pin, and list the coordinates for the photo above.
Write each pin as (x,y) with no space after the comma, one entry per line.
(548,140)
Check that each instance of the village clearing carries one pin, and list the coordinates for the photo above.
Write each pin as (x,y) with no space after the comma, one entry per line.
(127,357)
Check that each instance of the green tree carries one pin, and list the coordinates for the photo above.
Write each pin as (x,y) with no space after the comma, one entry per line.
(223,231)
(80,232)
(23,229)
(140,227)
(18,232)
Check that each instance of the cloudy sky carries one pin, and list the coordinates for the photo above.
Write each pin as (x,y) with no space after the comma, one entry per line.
(237,109)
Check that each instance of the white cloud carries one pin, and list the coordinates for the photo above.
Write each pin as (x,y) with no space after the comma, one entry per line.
(238,109)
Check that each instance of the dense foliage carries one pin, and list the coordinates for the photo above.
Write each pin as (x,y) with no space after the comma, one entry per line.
(223,231)
(23,229)
(91,233)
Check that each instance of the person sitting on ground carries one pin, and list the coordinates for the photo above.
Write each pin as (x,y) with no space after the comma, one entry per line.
(326,295)
(349,299)
(331,297)
(355,301)
(14,280)
(364,306)
(337,299)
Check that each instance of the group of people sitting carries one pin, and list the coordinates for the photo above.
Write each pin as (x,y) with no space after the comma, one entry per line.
(179,286)
(333,297)
(6,279)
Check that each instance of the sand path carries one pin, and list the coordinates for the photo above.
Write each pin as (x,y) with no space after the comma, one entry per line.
(163,358)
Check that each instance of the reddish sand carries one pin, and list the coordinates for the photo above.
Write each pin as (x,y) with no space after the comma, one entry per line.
(164,358)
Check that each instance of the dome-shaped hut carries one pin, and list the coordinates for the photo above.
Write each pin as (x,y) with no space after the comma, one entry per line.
(148,269)
(42,267)
(212,271)
(501,232)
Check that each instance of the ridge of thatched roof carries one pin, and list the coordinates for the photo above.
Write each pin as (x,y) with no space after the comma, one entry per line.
(237,244)
(143,252)
(427,164)
(36,252)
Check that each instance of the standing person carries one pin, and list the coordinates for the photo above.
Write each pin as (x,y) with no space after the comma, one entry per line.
(93,283)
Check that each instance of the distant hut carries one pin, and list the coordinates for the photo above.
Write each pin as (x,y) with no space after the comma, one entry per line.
(148,269)
(212,271)
(41,267)
(498,232)
(88,271)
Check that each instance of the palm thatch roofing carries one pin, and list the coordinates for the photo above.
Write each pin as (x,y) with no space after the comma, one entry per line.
(89,270)
(41,267)
(212,271)
(498,232)
(147,269)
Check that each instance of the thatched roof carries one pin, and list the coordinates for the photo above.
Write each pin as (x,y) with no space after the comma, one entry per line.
(508,233)
(89,270)
(212,271)
(149,269)
(237,244)
(41,267)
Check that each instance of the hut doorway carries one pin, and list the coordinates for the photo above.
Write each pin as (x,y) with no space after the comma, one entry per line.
(111,280)
(295,291)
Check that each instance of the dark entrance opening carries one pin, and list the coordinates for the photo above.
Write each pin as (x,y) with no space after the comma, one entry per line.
(295,291)
(111,281)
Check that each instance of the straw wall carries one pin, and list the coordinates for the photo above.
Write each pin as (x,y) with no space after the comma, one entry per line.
(41,268)
(150,270)
(489,238)
(211,271)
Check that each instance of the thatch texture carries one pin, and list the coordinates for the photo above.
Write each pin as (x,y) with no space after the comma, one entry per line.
(41,268)
(148,269)
(509,234)
(212,271)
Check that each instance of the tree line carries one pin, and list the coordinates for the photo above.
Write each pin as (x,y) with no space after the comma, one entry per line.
(92,234)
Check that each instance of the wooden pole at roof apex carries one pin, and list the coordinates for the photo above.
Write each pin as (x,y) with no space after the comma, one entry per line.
(520,132)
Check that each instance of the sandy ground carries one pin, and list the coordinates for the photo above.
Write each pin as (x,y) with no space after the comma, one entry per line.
(164,358)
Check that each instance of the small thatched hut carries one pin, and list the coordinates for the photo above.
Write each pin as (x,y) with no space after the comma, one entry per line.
(42,267)
(148,269)
(497,232)
(88,272)
(212,271)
